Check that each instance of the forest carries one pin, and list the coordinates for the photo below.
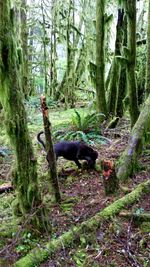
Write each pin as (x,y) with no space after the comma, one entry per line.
(74,133)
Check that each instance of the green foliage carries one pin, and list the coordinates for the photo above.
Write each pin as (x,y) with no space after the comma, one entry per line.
(39,81)
(90,138)
(83,127)
(26,244)
(34,101)
(86,122)
(79,257)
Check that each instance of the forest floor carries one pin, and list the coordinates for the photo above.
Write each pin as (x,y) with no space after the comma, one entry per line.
(119,242)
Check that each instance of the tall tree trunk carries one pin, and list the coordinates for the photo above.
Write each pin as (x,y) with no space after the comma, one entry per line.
(122,84)
(115,70)
(53,56)
(131,81)
(148,55)
(25,181)
(24,40)
(62,86)
(100,61)
(44,49)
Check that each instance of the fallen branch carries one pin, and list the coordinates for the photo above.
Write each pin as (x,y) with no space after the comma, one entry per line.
(128,254)
(68,239)
(145,216)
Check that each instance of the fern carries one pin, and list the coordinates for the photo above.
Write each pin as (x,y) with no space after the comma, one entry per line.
(82,122)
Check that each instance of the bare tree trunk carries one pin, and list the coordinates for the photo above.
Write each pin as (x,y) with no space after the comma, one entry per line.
(54,190)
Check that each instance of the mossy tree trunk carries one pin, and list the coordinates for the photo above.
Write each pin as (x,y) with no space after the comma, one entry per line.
(81,63)
(24,36)
(53,45)
(128,160)
(100,59)
(115,69)
(122,84)
(25,181)
(44,40)
(61,89)
(131,42)
(148,55)
(69,92)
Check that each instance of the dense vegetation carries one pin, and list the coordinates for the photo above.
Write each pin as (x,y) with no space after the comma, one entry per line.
(78,70)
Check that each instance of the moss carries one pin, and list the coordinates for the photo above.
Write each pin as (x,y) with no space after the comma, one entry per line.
(68,239)
(145,227)
(11,96)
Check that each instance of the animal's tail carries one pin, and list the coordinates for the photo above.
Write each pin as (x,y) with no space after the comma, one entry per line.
(40,140)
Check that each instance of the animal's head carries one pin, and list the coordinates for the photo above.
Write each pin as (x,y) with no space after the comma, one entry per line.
(94,154)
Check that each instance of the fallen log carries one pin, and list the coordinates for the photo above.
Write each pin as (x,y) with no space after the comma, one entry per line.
(128,161)
(40,254)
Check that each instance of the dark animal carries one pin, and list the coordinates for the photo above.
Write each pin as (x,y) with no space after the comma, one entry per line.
(74,151)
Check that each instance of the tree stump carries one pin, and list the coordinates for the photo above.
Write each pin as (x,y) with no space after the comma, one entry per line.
(110,179)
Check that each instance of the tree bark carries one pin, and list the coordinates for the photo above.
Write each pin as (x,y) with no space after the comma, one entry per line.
(24,40)
(44,37)
(128,161)
(131,80)
(115,69)
(148,55)
(122,83)
(54,190)
(100,57)
(69,238)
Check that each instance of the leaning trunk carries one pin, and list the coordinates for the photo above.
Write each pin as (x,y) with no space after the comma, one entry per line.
(128,161)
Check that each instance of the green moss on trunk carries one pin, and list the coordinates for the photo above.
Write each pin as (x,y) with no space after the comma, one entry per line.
(128,161)
(100,61)
(148,55)
(131,81)
(25,182)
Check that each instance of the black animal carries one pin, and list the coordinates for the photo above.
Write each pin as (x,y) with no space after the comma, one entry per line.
(74,151)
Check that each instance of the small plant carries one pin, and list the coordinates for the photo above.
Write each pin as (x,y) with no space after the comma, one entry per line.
(89,138)
(84,128)
(85,122)
(26,244)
